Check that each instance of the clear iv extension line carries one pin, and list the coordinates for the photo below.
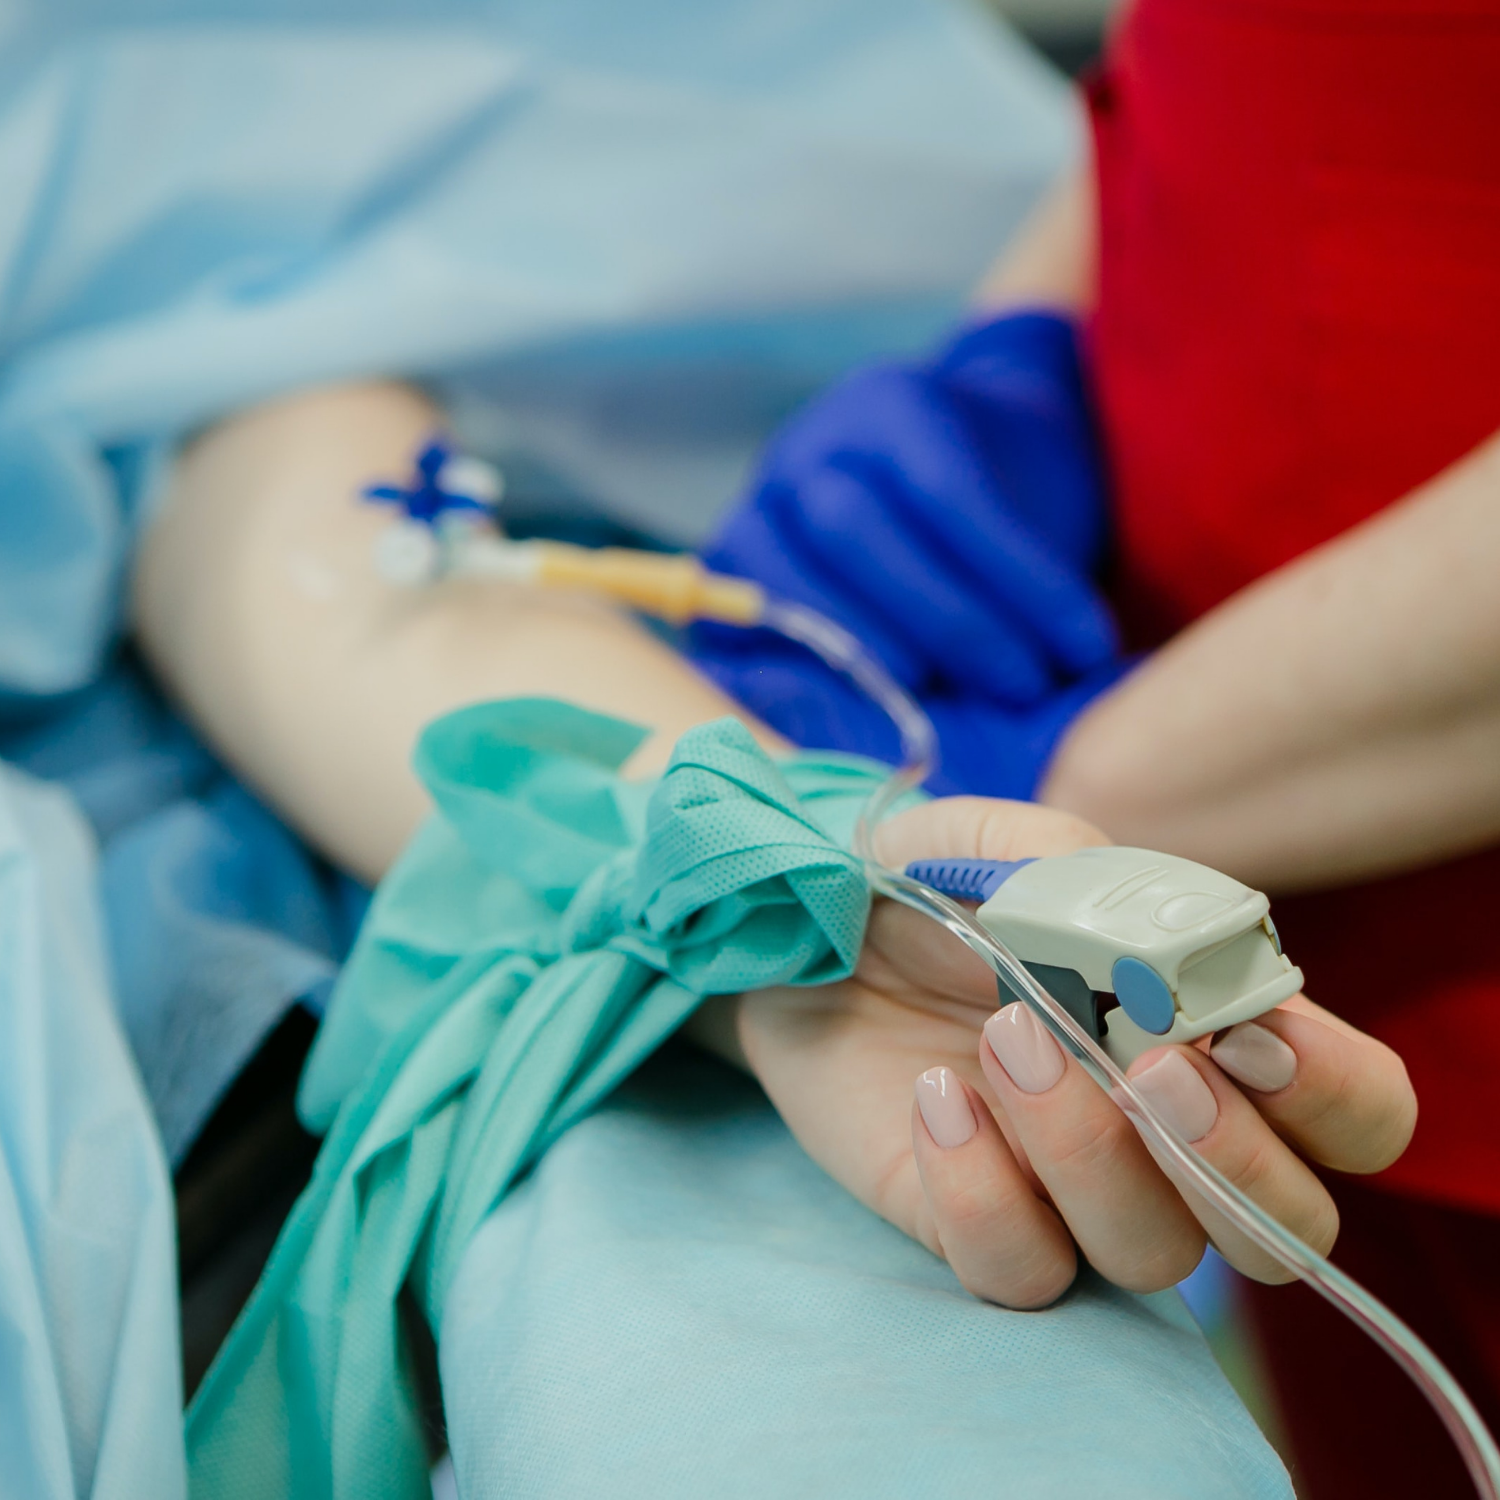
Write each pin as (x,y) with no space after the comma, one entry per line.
(841,651)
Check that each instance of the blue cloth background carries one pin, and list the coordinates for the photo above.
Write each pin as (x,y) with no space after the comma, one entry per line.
(90,1378)
(217,919)
(619,242)
(622,239)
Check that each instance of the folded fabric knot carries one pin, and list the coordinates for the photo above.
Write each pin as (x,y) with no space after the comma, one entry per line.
(737,886)
(546,930)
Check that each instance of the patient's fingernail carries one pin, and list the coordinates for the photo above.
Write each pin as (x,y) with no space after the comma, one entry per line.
(1258,1058)
(945,1107)
(1180,1096)
(1025,1050)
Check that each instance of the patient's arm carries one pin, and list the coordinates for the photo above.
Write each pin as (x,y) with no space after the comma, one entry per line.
(257,602)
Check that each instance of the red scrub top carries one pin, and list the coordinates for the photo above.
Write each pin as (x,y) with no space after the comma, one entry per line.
(1298,322)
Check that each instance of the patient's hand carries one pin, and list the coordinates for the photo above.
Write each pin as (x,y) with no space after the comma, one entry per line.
(1021,1162)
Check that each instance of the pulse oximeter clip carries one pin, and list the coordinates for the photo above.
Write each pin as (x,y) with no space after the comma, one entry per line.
(1141,949)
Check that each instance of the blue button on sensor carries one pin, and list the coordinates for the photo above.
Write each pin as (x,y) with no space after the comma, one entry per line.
(1143,995)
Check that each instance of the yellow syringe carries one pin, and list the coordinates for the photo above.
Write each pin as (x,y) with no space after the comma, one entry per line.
(675,587)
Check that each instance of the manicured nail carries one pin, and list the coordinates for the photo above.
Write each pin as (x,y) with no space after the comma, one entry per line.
(1258,1058)
(945,1107)
(1177,1091)
(1025,1050)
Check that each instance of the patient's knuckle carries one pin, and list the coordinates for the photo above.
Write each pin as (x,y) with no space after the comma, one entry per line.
(1389,1133)
(1321,1228)
(1363,1116)
(1010,830)
(1074,832)
(1087,1144)
(1344,1093)
(969,1208)
(1258,1173)
(1035,1283)
(1167,1260)
(997,829)
(895,1190)
(1256,1165)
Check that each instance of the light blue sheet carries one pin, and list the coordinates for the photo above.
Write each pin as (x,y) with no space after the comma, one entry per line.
(623,238)
(217,919)
(679,1303)
(90,1374)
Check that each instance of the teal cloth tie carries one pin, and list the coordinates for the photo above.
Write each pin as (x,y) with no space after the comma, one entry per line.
(544,932)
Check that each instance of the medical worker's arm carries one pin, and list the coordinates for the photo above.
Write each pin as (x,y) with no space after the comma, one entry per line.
(1337,720)
(1052,260)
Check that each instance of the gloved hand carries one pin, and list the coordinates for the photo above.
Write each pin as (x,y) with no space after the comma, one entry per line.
(949,513)
(985,748)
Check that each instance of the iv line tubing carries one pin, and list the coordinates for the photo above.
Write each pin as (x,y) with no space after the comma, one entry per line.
(1188,1169)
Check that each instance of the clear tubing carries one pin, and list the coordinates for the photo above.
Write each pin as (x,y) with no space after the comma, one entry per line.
(1189,1171)
(844,653)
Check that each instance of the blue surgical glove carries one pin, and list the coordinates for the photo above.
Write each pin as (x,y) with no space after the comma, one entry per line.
(985,748)
(950,513)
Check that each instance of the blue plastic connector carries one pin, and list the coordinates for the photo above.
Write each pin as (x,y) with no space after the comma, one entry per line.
(965,879)
(423,497)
